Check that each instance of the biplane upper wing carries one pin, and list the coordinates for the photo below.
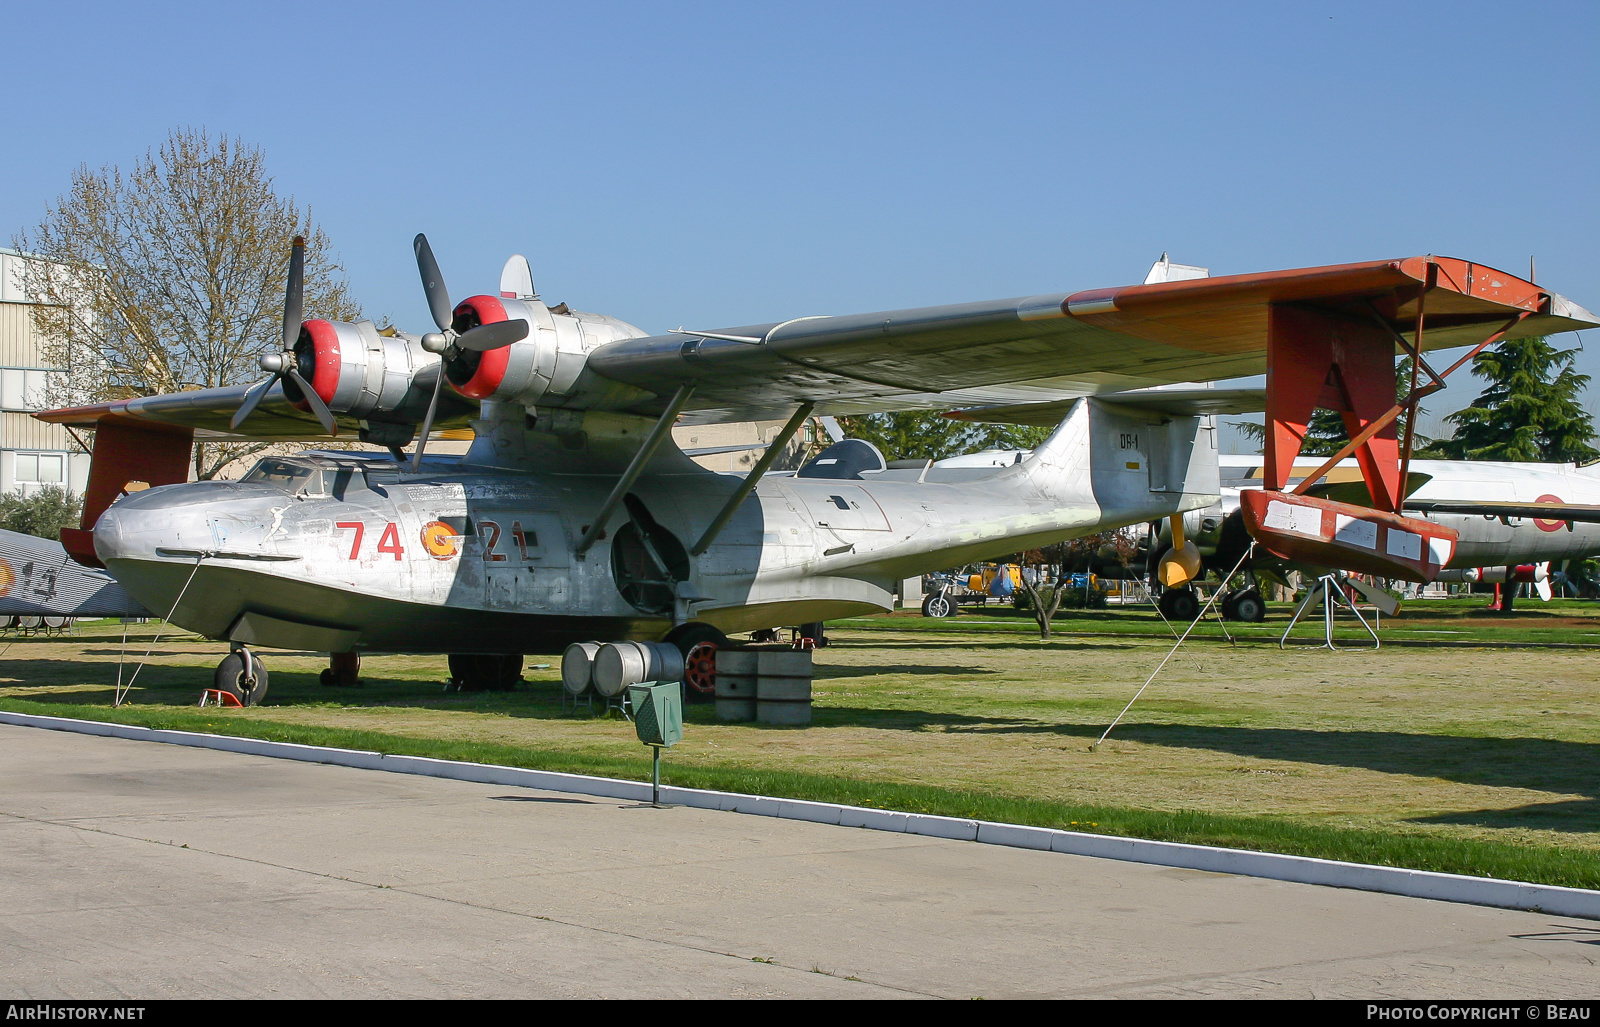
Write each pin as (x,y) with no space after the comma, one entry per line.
(1048,348)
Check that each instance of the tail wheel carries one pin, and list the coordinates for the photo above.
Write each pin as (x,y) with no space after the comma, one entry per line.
(700,670)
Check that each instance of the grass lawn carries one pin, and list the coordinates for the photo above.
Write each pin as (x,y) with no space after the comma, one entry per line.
(1481,756)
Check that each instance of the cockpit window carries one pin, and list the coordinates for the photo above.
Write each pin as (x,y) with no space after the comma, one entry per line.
(288,475)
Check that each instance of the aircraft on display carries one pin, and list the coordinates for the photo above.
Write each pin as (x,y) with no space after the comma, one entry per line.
(38,579)
(1512,520)
(573,516)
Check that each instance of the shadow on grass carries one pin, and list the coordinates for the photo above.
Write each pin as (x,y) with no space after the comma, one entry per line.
(1572,815)
(980,642)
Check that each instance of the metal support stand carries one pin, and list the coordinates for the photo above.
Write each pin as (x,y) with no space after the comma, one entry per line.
(655,776)
(1328,590)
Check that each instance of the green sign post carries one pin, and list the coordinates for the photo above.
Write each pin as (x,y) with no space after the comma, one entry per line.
(658,719)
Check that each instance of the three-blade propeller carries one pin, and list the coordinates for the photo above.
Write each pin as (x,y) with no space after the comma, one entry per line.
(282,365)
(446,342)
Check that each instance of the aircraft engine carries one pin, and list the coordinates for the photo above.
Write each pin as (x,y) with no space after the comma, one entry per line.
(359,372)
(548,361)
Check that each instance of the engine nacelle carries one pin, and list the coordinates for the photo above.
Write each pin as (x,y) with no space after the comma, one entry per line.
(359,372)
(545,363)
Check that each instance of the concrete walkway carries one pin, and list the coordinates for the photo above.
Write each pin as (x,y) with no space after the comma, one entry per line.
(138,870)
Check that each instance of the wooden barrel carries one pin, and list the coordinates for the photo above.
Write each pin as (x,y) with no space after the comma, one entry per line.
(783,687)
(620,664)
(736,684)
(577,667)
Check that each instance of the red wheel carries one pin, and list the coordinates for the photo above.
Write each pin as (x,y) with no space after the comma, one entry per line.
(700,668)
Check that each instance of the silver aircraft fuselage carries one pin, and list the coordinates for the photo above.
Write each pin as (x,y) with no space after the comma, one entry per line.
(341,553)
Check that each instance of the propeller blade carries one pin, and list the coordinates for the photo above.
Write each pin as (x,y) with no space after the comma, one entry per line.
(427,422)
(252,399)
(433,283)
(494,335)
(1376,596)
(294,294)
(318,407)
(1541,581)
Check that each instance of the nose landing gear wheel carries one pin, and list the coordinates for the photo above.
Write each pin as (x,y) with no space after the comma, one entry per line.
(243,675)
(938,605)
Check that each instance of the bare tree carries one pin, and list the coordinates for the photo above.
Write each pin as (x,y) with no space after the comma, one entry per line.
(169,276)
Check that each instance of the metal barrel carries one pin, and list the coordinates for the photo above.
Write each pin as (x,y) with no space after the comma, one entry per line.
(736,684)
(783,687)
(620,664)
(577,667)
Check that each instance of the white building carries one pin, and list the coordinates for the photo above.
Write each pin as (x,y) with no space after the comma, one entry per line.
(32,454)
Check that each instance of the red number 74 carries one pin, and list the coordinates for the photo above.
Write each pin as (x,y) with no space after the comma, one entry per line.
(360,530)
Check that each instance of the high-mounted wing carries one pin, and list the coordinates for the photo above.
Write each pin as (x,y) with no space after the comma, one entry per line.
(1053,347)
(210,411)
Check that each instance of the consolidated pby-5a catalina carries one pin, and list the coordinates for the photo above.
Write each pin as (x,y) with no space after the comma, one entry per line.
(574,515)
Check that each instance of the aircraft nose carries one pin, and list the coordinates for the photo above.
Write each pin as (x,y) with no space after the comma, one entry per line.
(149,526)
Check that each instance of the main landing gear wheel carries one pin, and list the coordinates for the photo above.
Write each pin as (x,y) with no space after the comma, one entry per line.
(1246,606)
(472,672)
(244,676)
(1179,604)
(939,605)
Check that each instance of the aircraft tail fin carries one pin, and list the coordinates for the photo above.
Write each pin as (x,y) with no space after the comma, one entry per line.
(1126,459)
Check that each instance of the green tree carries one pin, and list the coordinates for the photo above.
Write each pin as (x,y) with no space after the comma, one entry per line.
(43,513)
(1529,411)
(928,435)
(169,276)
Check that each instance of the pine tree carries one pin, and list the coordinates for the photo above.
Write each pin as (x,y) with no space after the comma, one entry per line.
(1529,411)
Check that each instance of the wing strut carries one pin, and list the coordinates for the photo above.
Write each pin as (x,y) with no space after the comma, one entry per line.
(652,443)
(774,448)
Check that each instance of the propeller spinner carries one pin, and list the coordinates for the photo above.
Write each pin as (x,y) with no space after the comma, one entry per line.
(445,341)
(281,366)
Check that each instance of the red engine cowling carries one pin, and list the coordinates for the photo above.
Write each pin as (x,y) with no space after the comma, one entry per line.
(354,369)
(548,361)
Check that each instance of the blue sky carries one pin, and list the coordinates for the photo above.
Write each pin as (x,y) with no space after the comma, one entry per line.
(718,163)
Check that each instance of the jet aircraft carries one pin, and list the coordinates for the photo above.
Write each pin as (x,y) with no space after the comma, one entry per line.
(573,515)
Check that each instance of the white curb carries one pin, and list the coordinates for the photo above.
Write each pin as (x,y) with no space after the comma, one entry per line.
(1424,884)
